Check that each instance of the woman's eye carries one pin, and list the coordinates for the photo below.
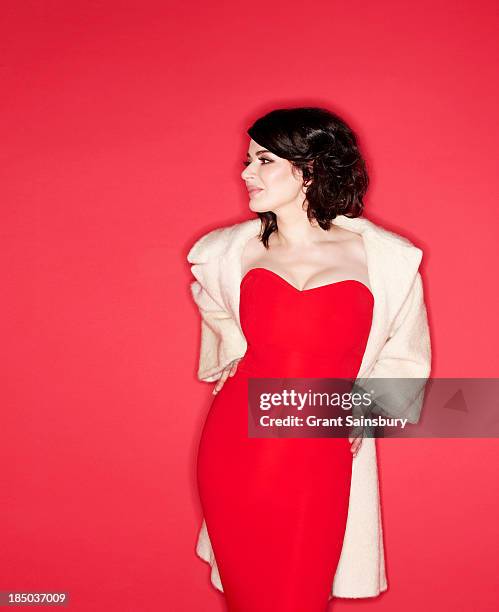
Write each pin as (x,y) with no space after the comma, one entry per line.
(247,163)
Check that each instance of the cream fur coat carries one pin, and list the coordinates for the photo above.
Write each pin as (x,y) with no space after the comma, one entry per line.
(398,347)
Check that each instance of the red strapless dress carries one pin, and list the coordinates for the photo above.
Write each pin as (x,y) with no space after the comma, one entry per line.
(276,508)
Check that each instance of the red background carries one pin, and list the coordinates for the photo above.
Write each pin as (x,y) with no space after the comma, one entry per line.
(123,138)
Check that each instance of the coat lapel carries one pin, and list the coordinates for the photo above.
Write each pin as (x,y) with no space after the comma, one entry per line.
(392,263)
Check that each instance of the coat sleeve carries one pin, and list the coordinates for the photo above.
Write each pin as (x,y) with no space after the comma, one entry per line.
(403,366)
(221,339)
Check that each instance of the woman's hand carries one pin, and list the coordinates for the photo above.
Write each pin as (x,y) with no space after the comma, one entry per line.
(355,444)
(229,370)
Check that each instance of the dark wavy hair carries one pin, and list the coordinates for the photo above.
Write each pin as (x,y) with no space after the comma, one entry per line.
(325,149)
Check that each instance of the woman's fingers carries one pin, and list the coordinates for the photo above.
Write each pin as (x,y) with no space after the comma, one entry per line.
(233,369)
(355,444)
(229,370)
(221,380)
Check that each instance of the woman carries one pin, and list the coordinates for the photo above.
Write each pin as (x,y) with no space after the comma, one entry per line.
(309,289)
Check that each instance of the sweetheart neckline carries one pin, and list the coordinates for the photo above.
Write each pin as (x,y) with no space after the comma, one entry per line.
(347,280)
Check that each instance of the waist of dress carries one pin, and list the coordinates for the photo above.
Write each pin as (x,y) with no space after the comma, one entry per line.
(295,364)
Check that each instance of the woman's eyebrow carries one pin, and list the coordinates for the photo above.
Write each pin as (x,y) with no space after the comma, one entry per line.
(259,151)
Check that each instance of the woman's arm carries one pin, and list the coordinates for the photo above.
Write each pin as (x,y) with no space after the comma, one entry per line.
(407,355)
(221,338)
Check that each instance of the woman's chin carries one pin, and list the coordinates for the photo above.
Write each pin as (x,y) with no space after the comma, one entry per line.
(257,207)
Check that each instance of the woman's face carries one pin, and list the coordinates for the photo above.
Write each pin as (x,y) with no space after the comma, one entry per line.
(270,181)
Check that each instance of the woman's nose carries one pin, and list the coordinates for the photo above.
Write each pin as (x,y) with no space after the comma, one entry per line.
(247,173)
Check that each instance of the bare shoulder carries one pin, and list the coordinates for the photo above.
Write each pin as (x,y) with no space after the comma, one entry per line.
(352,243)
(253,251)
